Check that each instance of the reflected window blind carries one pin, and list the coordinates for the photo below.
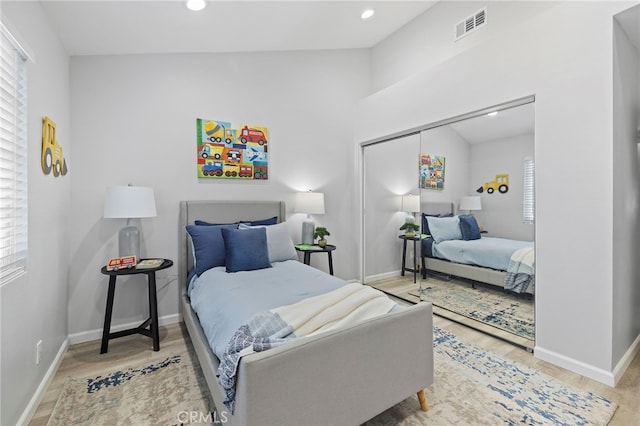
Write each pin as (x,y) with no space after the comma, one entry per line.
(13,157)
(528,198)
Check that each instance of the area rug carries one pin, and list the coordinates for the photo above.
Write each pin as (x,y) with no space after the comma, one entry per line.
(471,386)
(163,392)
(509,312)
(475,387)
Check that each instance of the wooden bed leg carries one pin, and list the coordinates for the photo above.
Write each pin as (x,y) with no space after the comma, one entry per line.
(423,401)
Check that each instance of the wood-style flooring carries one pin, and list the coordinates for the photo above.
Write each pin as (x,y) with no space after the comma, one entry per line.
(85,359)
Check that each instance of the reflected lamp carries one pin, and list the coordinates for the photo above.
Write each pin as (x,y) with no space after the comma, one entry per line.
(129,202)
(309,203)
(470,203)
(410,204)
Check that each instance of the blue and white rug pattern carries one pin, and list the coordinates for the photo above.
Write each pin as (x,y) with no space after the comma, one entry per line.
(514,393)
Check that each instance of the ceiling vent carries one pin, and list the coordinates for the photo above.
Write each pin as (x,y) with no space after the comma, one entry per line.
(471,23)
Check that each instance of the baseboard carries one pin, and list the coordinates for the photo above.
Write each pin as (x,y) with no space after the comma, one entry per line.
(597,374)
(626,360)
(88,336)
(33,404)
(384,276)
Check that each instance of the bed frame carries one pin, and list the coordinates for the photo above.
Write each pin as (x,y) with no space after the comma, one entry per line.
(345,376)
(475,273)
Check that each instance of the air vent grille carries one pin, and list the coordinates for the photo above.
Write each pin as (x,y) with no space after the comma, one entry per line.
(471,23)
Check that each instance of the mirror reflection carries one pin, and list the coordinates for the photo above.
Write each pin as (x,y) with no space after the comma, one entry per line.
(474,251)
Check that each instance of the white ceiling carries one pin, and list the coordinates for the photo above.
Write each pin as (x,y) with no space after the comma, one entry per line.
(508,123)
(105,27)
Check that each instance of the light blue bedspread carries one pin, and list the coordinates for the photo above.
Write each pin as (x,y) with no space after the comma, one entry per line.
(487,251)
(225,301)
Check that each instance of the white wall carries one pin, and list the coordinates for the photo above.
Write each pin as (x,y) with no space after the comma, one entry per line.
(626,190)
(501,214)
(34,307)
(566,63)
(428,39)
(134,122)
(391,170)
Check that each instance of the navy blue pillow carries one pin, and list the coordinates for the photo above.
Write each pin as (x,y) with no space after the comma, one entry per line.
(208,246)
(203,223)
(469,228)
(246,249)
(262,222)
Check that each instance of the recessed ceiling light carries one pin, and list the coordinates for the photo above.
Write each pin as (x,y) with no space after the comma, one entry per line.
(196,5)
(493,114)
(368,13)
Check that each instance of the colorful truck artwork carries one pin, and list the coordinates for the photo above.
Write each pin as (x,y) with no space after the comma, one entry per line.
(431,171)
(225,151)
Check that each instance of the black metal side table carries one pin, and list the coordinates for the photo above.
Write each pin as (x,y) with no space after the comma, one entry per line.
(151,322)
(308,249)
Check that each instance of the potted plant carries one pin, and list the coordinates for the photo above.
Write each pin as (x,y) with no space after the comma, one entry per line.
(409,229)
(321,232)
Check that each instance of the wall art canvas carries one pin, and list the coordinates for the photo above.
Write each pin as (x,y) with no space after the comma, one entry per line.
(225,151)
(432,171)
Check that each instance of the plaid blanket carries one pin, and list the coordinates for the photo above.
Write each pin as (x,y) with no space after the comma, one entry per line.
(520,272)
(344,306)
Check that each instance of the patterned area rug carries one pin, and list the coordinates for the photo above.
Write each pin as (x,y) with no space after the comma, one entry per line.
(509,312)
(472,386)
(475,387)
(164,392)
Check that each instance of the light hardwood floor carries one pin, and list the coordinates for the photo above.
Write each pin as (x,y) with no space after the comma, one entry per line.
(84,360)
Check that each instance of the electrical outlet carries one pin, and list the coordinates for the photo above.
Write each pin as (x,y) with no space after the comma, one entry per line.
(38,351)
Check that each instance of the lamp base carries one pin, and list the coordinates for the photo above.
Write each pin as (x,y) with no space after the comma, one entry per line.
(129,242)
(307,231)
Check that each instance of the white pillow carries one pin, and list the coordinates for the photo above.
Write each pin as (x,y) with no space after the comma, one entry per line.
(278,241)
(444,228)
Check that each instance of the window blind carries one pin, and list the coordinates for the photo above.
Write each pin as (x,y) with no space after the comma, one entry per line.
(528,191)
(13,157)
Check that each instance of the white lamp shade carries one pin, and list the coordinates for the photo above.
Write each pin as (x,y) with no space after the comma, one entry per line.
(310,202)
(129,202)
(470,203)
(410,203)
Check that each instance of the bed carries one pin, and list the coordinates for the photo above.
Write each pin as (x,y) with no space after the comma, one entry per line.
(344,376)
(501,262)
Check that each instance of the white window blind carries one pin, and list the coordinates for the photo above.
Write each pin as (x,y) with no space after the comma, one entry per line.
(13,157)
(528,191)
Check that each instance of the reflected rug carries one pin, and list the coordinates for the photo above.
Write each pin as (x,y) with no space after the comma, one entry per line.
(164,392)
(471,386)
(509,312)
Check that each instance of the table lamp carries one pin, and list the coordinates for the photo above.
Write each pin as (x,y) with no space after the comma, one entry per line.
(309,203)
(472,202)
(129,202)
(410,204)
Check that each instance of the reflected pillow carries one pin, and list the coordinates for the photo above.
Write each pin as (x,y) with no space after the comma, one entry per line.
(208,246)
(279,242)
(469,228)
(245,249)
(444,228)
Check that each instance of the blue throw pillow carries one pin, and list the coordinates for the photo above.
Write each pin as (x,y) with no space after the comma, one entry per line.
(469,228)
(269,221)
(204,223)
(246,249)
(208,246)
(444,228)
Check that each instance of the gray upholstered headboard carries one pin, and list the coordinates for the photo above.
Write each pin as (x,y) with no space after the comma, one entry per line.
(436,207)
(216,211)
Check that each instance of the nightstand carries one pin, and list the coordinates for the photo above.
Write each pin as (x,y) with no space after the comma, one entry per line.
(309,249)
(415,239)
(151,322)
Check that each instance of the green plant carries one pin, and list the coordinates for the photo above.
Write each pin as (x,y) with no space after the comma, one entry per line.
(321,232)
(409,227)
